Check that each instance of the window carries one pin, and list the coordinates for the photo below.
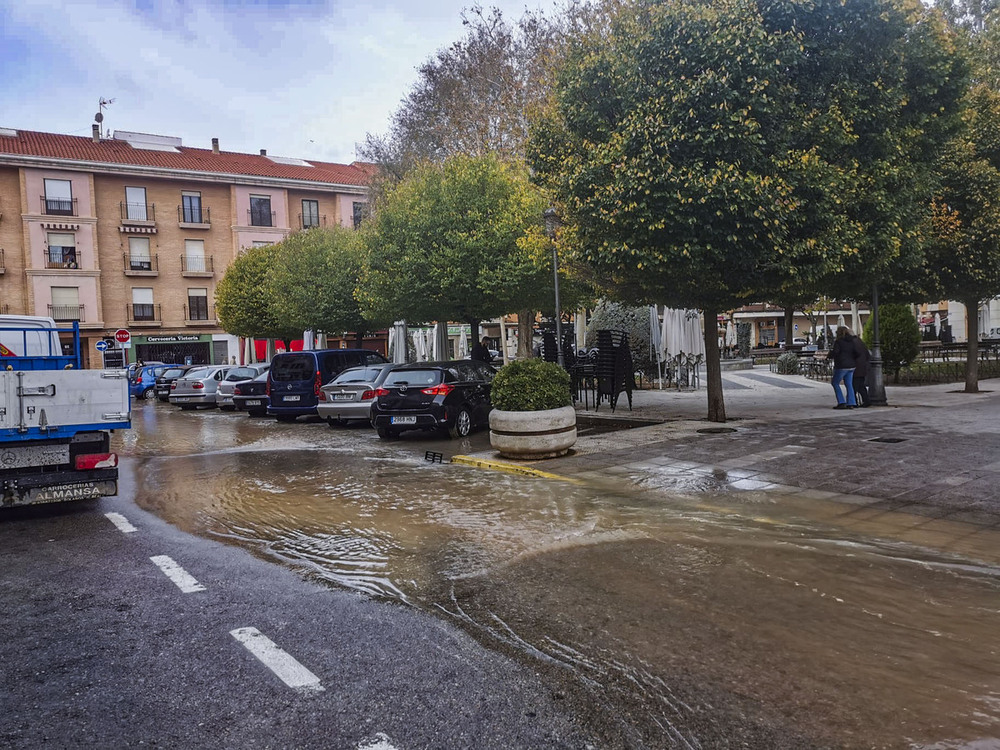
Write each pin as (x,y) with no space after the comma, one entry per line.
(61,252)
(142,304)
(139,258)
(135,204)
(197,304)
(58,197)
(191,208)
(359,213)
(260,211)
(310,214)
(66,303)
(194,255)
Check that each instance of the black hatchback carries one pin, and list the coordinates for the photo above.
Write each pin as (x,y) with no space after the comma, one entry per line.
(450,396)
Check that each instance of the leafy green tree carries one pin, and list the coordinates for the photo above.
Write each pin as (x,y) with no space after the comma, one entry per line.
(720,152)
(899,336)
(245,299)
(461,240)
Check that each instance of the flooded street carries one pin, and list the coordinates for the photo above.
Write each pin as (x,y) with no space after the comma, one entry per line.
(683,616)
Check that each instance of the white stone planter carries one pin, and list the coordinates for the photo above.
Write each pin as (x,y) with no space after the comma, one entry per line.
(533,434)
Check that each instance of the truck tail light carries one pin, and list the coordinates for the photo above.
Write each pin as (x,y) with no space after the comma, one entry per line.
(439,390)
(89,461)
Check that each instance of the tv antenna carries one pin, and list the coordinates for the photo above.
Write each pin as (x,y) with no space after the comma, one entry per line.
(99,117)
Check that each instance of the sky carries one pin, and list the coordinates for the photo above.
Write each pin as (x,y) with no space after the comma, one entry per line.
(300,79)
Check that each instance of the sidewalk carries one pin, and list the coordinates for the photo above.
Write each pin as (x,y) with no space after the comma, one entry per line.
(933,452)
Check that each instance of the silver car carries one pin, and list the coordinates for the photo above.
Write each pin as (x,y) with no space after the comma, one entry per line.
(224,393)
(198,386)
(349,395)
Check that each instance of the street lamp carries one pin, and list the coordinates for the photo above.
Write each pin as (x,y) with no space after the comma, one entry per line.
(876,391)
(551,221)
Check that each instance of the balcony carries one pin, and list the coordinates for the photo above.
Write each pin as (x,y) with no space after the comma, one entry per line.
(260,218)
(62,257)
(194,217)
(67,313)
(143,315)
(199,316)
(141,213)
(59,206)
(197,265)
(308,222)
(141,265)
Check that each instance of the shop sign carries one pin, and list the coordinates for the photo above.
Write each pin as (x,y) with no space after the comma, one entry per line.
(178,339)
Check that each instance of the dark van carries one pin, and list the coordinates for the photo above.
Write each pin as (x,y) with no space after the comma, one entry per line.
(295,378)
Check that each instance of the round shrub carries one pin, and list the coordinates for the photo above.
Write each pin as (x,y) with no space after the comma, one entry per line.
(530,385)
(788,364)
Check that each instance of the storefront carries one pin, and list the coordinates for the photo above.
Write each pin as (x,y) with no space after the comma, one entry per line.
(179,348)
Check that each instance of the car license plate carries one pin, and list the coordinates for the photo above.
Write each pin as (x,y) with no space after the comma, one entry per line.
(253,402)
(403,420)
(181,400)
(292,398)
(343,396)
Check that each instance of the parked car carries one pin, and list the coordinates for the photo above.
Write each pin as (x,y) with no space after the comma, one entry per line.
(197,387)
(449,396)
(142,383)
(251,396)
(167,377)
(349,395)
(134,367)
(224,393)
(295,378)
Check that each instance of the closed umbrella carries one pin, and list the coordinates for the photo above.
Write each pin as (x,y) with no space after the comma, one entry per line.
(420,345)
(937,324)
(840,320)
(463,344)
(730,334)
(307,340)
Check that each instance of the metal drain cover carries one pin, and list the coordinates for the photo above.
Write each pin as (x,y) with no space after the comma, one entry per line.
(716,430)
(887,440)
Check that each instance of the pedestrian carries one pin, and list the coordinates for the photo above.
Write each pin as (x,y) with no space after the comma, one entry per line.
(845,356)
(481,351)
(861,372)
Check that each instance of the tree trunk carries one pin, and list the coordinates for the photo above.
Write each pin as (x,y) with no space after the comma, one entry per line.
(972,352)
(713,368)
(359,337)
(525,328)
(789,326)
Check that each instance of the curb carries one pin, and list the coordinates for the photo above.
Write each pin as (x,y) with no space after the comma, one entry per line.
(510,468)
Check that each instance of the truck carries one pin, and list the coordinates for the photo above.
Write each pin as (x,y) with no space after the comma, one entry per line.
(56,418)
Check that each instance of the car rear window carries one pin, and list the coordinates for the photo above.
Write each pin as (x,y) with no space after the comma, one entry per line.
(174,372)
(198,373)
(293,367)
(413,377)
(241,373)
(358,375)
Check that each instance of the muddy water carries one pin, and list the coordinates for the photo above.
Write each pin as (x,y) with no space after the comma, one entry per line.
(671,615)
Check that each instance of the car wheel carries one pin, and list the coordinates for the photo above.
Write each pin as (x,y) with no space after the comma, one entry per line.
(385,433)
(462,425)
(149,394)
(334,422)
(284,417)
(187,407)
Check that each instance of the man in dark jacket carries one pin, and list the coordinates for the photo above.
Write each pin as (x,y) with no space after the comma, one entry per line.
(862,356)
(845,356)
(481,351)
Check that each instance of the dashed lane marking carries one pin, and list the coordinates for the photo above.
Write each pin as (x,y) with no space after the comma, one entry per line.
(121,522)
(184,580)
(281,663)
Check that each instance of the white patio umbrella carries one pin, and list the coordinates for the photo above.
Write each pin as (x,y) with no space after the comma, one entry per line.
(463,344)
(730,334)
(694,338)
(840,320)
(307,340)
(420,344)
(855,318)
(937,324)
(397,342)
(271,349)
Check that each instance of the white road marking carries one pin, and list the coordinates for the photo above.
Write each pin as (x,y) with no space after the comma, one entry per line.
(378,742)
(282,664)
(121,522)
(184,580)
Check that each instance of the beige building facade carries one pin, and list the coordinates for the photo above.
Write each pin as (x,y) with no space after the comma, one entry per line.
(134,232)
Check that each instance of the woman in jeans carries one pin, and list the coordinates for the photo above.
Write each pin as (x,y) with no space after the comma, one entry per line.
(844,355)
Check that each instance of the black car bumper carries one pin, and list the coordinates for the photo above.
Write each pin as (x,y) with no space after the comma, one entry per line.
(434,417)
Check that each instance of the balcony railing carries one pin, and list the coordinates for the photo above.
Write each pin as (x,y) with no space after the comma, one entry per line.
(259,218)
(67,257)
(142,312)
(198,315)
(141,265)
(195,265)
(66,313)
(59,206)
(194,215)
(308,222)
(4,309)
(138,211)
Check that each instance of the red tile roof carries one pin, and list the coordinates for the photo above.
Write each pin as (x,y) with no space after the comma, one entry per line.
(109,151)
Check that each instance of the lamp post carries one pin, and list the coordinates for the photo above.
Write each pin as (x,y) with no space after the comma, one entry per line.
(876,391)
(551,220)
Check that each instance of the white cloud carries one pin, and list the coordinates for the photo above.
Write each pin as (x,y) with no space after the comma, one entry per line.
(301,80)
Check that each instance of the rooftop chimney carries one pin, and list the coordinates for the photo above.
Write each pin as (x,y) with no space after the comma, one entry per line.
(263,152)
(96,129)
(215,145)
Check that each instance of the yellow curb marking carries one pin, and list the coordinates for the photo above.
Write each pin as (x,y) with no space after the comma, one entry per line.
(485,463)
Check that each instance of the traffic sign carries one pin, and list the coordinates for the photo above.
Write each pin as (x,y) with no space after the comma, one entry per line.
(102,346)
(122,336)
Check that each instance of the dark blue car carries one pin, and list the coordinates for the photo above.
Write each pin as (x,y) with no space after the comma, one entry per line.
(295,378)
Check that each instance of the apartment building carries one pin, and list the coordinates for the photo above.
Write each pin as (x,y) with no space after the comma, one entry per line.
(134,231)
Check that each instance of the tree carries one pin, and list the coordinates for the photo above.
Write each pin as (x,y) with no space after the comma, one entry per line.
(899,336)
(314,278)
(720,152)
(461,240)
(245,299)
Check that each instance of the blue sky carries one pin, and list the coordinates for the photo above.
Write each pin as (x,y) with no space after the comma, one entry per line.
(302,79)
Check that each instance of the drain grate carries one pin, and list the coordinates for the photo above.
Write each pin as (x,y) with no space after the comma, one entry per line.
(716,430)
(887,440)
